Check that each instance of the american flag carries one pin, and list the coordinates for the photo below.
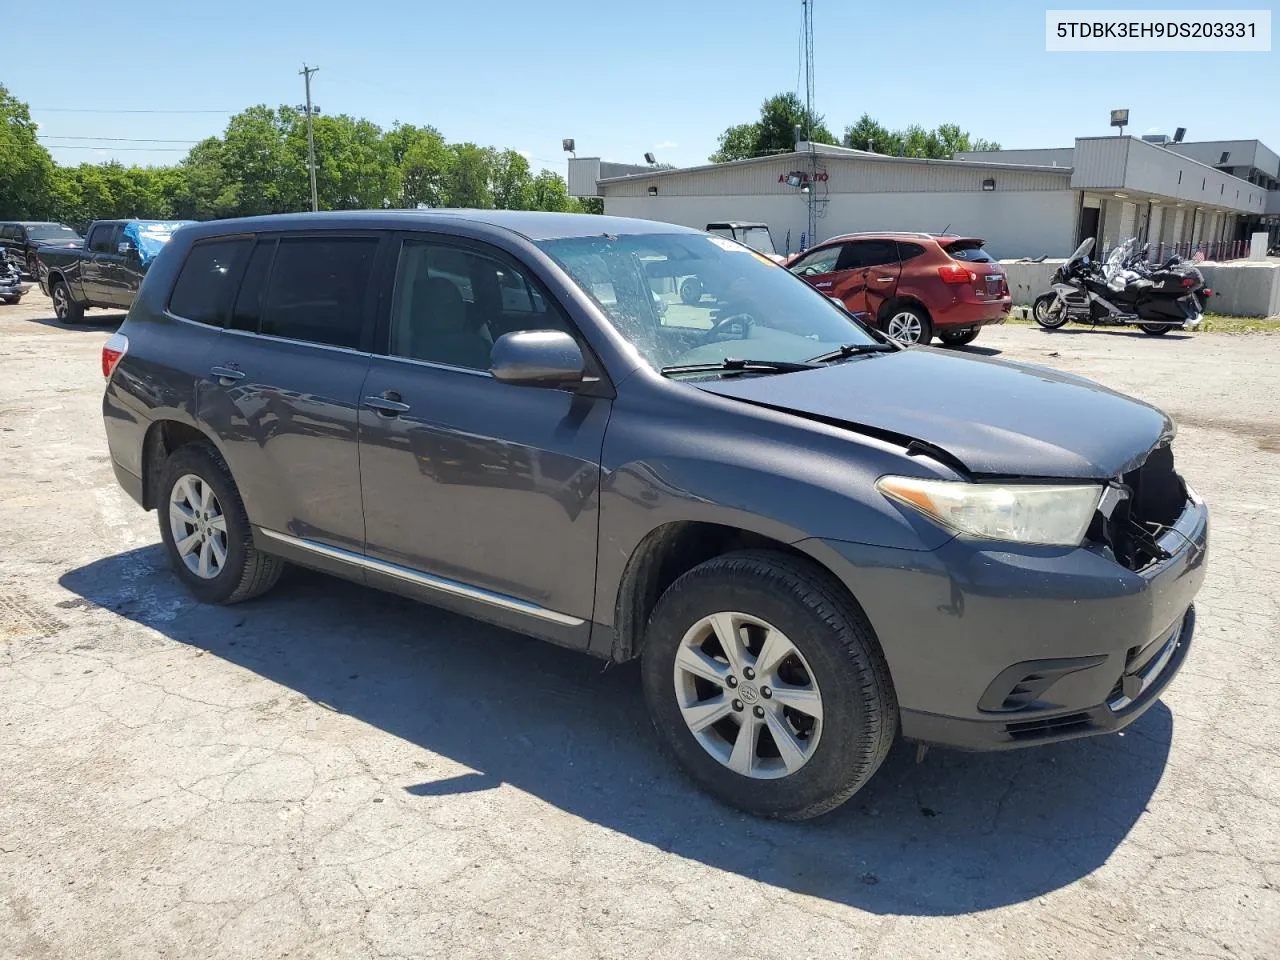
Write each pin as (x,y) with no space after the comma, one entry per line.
(1198,257)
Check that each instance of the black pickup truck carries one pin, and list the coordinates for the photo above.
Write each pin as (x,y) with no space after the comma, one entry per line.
(107,270)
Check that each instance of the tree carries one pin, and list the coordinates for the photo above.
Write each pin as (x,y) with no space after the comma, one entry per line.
(353,163)
(467,181)
(26,169)
(868,134)
(423,159)
(774,132)
(549,192)
(267,177)
(737,143)
(915,141)
(510,182)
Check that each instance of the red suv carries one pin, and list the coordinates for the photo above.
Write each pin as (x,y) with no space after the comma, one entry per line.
(911,285)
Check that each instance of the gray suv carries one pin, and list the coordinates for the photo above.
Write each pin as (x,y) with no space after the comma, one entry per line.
(813,539)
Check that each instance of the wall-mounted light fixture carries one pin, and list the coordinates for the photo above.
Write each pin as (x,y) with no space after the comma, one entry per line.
(653,191)
(650,159)
(989,183)
(567,145)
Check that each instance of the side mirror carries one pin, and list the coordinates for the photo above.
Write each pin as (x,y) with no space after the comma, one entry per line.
(537,358)
(124,247)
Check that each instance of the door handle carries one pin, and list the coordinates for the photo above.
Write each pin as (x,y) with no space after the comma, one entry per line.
(823,285)
(884,279)
(387,405)
(227,375)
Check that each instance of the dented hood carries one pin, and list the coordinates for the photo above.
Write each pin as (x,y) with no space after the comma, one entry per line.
(993,416)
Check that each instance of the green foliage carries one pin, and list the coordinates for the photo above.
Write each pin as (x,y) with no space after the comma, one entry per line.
(774,132)
(259,166)
(26,170)
(915,141)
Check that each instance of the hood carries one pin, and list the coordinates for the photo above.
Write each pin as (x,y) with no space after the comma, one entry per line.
(993,416)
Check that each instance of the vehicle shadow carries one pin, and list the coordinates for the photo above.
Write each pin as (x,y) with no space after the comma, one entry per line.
(953,834)
(106,320)
(977,350)
(1118,332)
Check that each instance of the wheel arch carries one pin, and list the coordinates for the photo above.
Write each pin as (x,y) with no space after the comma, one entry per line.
(902,300)
(162,438)
(674,548)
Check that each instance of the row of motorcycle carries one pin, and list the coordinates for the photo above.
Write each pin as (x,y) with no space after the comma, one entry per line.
(1125,290)
(12,286)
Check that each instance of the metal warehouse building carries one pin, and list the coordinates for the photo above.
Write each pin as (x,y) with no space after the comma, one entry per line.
(1022,202)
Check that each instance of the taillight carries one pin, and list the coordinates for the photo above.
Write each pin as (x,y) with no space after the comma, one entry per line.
(1207,292)
(954,273)
(1188,281)
(113,352)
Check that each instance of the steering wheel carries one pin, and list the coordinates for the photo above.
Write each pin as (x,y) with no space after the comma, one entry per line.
(737,324)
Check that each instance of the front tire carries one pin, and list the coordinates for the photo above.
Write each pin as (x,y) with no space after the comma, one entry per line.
(909,326)
(64,306)
(1155,329)
(1041,312)
(766,682)
(691,291)
(206,532)
(12,301)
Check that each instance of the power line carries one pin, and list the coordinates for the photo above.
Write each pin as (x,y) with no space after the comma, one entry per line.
(84,146)
(112,110)
(55,136)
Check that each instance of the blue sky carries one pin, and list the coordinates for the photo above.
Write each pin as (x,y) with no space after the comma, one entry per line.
(622,79)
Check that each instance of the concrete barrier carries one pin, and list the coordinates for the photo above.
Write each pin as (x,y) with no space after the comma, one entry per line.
(1243,289)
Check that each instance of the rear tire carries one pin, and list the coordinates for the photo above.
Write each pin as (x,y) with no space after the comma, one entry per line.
(12,301)
(1040,312)
(834,667)
(64,306)
(691,291)
(228,568)
(957,339)
(1155,329)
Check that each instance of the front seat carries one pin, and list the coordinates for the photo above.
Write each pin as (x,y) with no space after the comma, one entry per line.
(441,331)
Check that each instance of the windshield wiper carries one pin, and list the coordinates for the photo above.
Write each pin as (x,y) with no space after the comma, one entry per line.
(735,365)
(846,350)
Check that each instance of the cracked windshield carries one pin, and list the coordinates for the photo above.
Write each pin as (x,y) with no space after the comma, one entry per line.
(692,298)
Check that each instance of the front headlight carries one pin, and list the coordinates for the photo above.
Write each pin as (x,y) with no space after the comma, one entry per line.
(1050,514)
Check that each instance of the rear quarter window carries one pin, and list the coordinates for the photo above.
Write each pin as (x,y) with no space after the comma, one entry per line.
(969,251)
(206,285)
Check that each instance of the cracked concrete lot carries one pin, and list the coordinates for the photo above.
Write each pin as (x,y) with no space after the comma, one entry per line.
(332,772)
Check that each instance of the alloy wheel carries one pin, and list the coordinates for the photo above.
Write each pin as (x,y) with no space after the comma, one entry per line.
(747,695)
(61,303)
(198,526)
(905,327)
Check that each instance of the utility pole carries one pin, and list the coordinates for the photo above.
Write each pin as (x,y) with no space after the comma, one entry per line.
(812,196)
(311,111)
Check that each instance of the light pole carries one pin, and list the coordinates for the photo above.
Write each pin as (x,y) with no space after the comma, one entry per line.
(311,111)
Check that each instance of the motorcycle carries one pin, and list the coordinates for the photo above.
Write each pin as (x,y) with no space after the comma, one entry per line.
(1126,291)
(11,286)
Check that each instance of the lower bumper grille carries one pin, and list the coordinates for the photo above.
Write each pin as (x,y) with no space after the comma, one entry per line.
(1048,727)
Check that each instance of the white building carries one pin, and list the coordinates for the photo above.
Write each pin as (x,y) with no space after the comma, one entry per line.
(1022,202)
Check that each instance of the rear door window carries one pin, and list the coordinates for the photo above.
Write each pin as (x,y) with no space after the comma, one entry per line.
(207,282)
(969,251)
(909,251)
(318,290)
(868,253)
(247,312)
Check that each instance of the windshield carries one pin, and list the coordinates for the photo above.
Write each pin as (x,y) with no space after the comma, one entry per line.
(51,231)
(1082,251)
(970,251)
(694,298)
(757,238)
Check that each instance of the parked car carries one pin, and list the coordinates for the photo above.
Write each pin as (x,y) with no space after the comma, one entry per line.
(813,539)
(19,240)
(106,270)
(12,287)
(911,285)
